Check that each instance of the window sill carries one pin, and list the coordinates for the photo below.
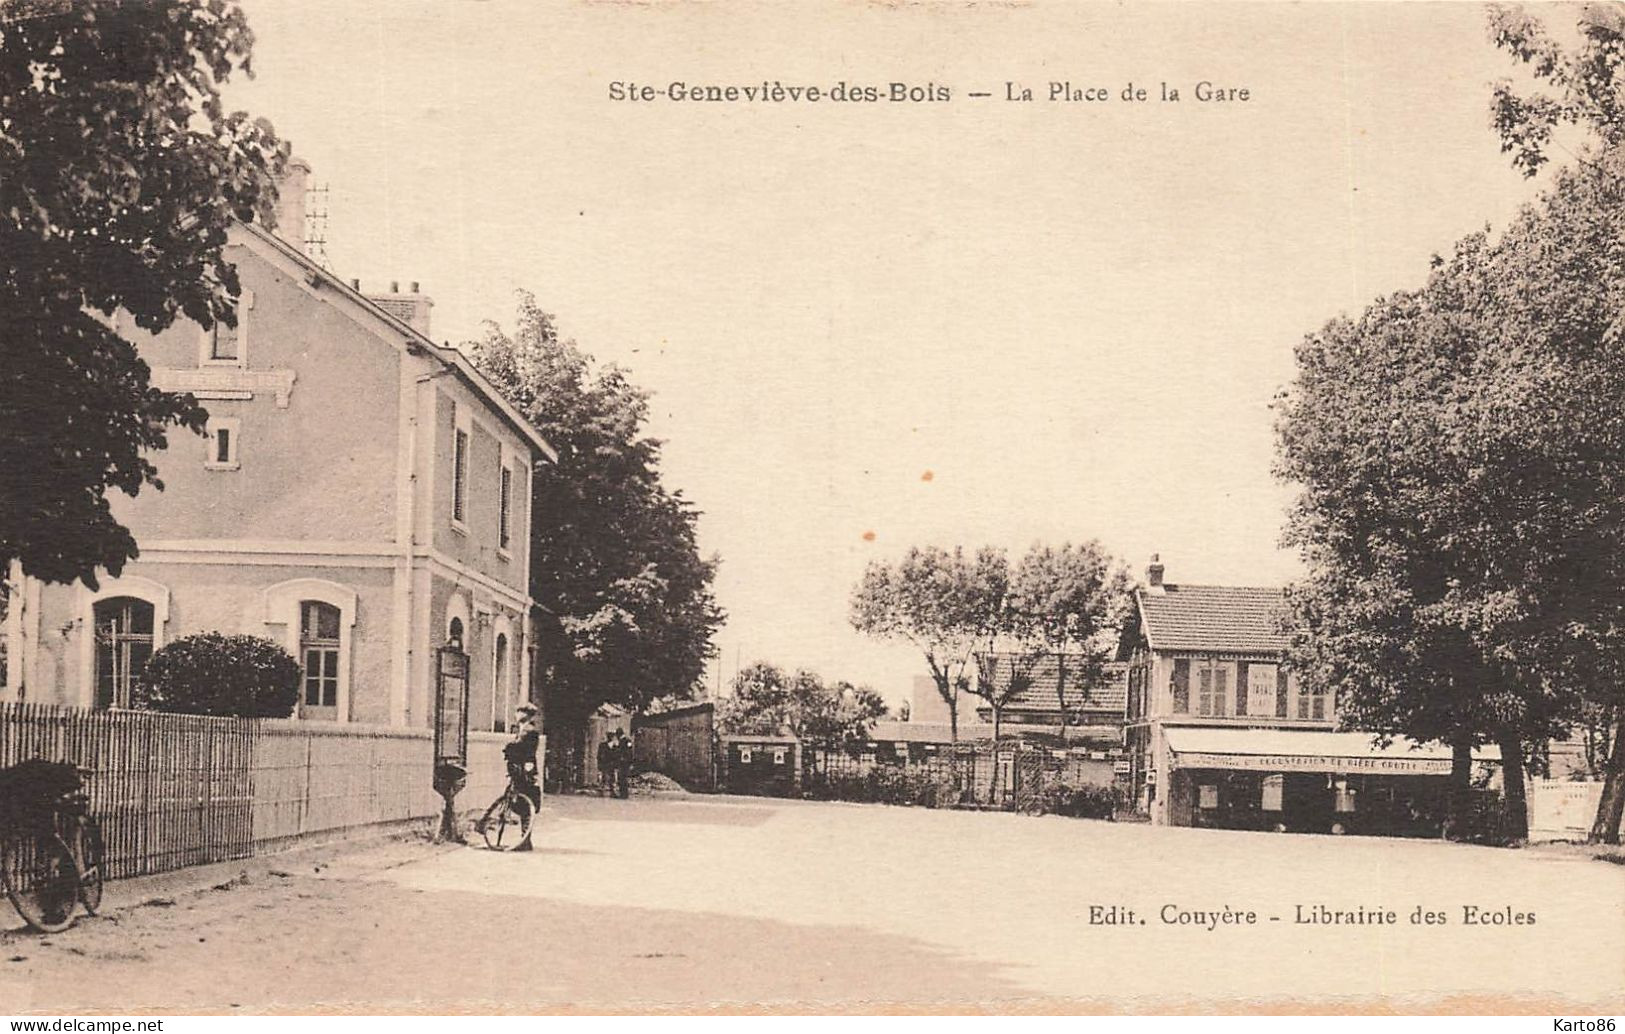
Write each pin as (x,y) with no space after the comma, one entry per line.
(503,554)
(222,466)
(459,527)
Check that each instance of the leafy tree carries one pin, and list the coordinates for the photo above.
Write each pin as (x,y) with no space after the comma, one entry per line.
(614,555)
(239,676)
(945,603)
(1070,602)
(767,701)
(1587,83)
(120,171)
(1462,455)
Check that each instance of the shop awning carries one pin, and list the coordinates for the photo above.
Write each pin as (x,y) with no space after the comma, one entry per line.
(1309,750)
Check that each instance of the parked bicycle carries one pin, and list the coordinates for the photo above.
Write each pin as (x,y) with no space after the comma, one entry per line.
(52,858)
(506,824)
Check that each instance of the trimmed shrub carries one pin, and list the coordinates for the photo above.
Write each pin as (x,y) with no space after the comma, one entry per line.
(885,784)
(235,676)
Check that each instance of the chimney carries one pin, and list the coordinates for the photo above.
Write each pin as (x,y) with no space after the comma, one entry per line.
(1153,574)
(290,203)
(411,308)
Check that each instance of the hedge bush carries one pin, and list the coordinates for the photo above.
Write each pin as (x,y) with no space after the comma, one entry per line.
(1084,801)
(237,676)
(886,784)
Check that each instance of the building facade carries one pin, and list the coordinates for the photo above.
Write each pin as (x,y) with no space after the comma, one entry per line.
(362,497)
(1221,732)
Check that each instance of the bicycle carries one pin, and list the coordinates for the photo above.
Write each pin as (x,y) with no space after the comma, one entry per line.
(52,858)
(514,811)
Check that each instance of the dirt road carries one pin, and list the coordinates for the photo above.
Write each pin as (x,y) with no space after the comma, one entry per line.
(688,903)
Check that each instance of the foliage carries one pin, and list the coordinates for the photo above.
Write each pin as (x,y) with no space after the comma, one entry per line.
(614,554)
(886,784)
(767,701)
(1067,603)
(241,676)
(1461,452)
(1587,81)
(1084,800)
(120,172)
(943,602)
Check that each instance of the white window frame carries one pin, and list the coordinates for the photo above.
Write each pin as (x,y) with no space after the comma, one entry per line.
(461,465)
(233,428)
(154,593)
(205,348)
(282,602)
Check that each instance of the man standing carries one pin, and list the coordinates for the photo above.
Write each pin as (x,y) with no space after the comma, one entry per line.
(623,765)
(606,765)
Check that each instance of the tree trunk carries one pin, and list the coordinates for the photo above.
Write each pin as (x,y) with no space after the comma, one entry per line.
(1060,692)
(953,720)
(1514,789)
(993,788)
(1612,806)
(1461,779)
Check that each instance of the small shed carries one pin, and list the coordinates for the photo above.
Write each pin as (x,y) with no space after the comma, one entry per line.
(768,766)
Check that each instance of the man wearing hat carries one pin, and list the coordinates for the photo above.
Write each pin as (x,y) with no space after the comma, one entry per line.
(520,752)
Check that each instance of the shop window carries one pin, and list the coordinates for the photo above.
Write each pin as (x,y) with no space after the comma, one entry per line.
(124,641)
(1180,684)
(1271,792)
(1207,796)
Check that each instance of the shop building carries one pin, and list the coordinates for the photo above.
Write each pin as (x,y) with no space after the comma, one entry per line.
(1221,732)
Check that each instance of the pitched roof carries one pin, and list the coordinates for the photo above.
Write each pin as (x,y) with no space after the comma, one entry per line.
(1109,693)
(1221,618)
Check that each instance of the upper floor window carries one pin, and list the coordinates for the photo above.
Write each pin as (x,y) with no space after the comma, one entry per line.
(124,641)
(319,657)
(224,435)
(223,342)
(228,345)
(1213,681)
(1180,685)
(459,478)
(1314,703)
(505,508)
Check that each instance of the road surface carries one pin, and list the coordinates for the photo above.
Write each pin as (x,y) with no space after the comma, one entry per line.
(684,903)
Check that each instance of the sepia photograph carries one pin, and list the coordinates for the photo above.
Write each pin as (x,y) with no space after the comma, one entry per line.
(836,507)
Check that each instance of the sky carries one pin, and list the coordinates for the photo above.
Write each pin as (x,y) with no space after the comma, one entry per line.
(872,326)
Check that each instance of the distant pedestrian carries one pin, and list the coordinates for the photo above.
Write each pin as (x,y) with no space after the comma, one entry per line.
(606,765)
(623,765)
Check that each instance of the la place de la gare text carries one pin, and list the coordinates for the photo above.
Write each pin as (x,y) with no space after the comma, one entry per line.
(1310,915)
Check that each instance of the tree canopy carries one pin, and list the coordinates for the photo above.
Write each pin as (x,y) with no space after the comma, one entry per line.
(765,700)
(1460,451)
(120,172)
(614,554)
(943,602)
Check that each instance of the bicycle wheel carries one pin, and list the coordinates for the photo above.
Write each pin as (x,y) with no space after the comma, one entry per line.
(92,864)
(507,822)
(41,880)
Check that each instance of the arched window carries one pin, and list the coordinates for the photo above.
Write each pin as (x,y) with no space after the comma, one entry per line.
(319,656)
(454,633)
(124,638)
(500,706)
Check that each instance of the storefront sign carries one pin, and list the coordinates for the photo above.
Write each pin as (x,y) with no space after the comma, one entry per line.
(1314,763)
